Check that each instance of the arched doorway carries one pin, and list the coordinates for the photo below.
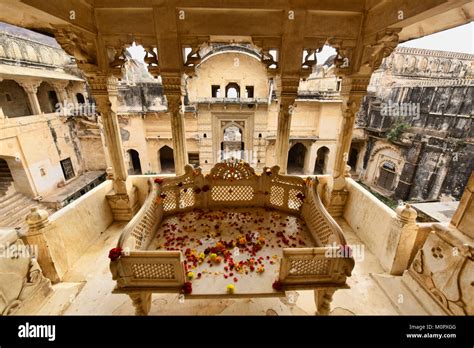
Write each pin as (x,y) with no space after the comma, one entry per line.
(387,174)
(232,144)
(296,157)
(353,157)
(135,167)
(47,97)
(80,98)
(321,160)
(6,178)
(166,158)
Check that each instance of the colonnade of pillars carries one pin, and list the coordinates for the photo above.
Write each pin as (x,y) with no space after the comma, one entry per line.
(31,89)
(106,103)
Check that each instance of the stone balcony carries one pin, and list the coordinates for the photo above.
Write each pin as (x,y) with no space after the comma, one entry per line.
(80,235)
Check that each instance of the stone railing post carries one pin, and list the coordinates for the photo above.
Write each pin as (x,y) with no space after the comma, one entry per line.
(402,239)
(37,237)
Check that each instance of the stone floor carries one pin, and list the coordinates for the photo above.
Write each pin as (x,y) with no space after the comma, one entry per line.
(86,290)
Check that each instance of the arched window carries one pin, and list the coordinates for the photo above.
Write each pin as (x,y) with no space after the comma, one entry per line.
(13,99)
(232,90)
(387,174)
(296,157)
(166,158)
(47,98)
(320,167)
(80,98)
(135,167)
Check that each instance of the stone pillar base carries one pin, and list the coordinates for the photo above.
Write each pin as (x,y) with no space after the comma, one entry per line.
(337,202)
(124,206)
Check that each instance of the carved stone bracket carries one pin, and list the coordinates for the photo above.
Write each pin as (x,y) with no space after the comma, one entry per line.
(268,60)
(77,44)
(193,58)
(386,43)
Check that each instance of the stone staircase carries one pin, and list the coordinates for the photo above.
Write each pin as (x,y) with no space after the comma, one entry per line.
(14,206)
(6,179)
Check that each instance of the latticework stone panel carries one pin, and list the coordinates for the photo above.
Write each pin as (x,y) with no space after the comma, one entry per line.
(294,199)
(142,231)
(169,202)
(277,194)
(318,224)
(309,266)
(232,193)
(153,270)
(187,198)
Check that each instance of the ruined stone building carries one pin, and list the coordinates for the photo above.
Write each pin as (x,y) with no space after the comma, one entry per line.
(414,137)
(226,105)
(41,99)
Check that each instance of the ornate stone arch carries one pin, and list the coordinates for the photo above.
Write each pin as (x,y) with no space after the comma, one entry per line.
(384,147)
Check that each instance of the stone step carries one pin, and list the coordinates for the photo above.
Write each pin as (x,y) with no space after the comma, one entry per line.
(17,216)
(15,206)
(6,181)
(9,199)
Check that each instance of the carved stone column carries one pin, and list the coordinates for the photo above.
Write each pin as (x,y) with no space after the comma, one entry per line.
(323,299)
(353,90)
(288,90)
(178,133)
(123,201)
(60,89)
(173,85)
(141,302)
(282,142)
(31,88)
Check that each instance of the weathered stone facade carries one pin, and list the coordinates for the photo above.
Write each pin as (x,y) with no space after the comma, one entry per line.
(417,126)
(45,114)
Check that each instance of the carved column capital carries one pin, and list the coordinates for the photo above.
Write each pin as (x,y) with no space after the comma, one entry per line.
(61,84)
(30,87)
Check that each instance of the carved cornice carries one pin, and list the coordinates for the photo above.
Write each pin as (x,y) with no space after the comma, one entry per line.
(433,53)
